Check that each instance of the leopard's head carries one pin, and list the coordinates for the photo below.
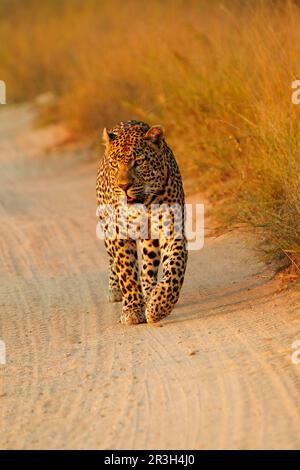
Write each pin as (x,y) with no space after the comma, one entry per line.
(136,154)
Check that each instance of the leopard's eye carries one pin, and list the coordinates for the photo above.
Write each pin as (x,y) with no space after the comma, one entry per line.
(113,163)
(138,161)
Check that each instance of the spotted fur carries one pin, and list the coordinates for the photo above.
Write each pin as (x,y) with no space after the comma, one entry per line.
(139,164)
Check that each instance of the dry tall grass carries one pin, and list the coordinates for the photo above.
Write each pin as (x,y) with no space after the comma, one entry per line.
(217,74)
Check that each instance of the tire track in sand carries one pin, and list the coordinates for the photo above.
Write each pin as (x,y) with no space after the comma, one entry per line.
(217,374)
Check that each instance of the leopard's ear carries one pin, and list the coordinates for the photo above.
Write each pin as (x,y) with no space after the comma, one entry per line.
(155,134)
(107,137)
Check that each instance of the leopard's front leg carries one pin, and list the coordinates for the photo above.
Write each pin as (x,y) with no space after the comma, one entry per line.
(114,291)
(125,257)
(150,264)
(165,295)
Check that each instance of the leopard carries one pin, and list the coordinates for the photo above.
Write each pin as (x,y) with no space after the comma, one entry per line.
(146,272)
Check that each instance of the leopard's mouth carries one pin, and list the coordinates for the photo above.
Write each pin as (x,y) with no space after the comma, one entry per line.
(138,199)
(134,199)
(130,200)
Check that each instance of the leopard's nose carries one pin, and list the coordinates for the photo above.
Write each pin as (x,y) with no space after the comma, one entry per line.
(124,186)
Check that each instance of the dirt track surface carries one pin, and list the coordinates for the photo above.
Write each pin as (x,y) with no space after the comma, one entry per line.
(216,374)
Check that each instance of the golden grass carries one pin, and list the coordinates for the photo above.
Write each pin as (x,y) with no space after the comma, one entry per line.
(217,75)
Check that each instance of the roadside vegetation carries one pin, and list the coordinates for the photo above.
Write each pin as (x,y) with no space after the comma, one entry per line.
(216,74)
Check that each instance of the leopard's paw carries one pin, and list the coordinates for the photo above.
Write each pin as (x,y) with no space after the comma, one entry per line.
(133,316)
(155,311)
(155,315)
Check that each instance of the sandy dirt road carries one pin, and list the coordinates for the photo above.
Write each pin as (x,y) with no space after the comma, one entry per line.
(216,374)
